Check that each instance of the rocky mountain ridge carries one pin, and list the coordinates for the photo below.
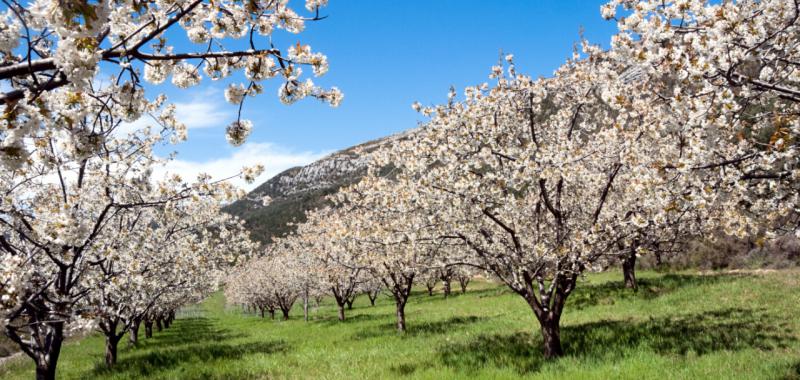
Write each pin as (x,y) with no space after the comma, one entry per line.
(298,189)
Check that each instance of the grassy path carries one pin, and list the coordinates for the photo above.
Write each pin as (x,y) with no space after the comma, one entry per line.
(677,326)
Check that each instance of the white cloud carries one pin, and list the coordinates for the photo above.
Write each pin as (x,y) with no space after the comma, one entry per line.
(205,109)
(203,114)
(274,158)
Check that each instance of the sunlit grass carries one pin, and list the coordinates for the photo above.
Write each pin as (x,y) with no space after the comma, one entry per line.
(676,326)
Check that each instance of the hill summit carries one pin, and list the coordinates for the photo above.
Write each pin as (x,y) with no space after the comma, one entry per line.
(299,189)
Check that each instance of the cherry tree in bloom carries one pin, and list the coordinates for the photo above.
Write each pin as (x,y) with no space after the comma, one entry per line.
(334,257)
(67,173)
(372,288)
(724,76)
(540,179)
(52,53)
(181,248)
(273,281)
(395,238)
(59,211)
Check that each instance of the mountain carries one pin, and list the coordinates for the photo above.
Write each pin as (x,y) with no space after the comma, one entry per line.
(296,190)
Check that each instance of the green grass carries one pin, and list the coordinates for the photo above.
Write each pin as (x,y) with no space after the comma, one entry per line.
(677,326)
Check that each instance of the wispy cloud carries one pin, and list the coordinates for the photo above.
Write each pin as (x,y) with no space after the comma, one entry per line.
(204,109)
(274,158)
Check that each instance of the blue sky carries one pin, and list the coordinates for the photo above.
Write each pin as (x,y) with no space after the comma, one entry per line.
(383,55)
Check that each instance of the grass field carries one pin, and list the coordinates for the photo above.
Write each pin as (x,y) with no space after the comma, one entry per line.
(680,325)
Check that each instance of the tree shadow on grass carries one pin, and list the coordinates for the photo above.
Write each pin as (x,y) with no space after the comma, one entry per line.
(699,334)
(188,340)
(352,319)
(608,293)
(150,363)
(420,329)
(793,373)
(187,331)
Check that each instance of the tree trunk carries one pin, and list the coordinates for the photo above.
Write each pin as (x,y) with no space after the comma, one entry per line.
(349,304)
(551,334)
(109,328)
(305,306)
(372,297)
(285,312)
(464,281)
(133,338)
(341,312)
(548,312)
(46,362)
(271,313)
(159,326)
(629,270)
(148,328)
(111,348)
(430,290)
(45,371)
(261,309)
(446,288)
(401,316)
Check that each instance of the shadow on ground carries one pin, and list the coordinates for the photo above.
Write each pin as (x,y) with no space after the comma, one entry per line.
(699,334)
(450,325)
(793,373)
(351,318)
(608,293)
(188,340)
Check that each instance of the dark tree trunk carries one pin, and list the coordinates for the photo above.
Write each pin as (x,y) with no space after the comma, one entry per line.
(341,312)
(401,290)
(340,302)
(305,306)
(47,361)
(463,281)
(159,326)
(551,334)
(261,309)
(349,304)
(111,349)
(430,290)
(109,328)
(271,313)
(446,276)
(548,311)
(45,371)
(148,328)
(629,270)
(401,316)
(285,312)
(372,297)
(133,338)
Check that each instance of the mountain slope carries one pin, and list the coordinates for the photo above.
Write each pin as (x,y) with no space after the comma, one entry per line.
(296,190)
